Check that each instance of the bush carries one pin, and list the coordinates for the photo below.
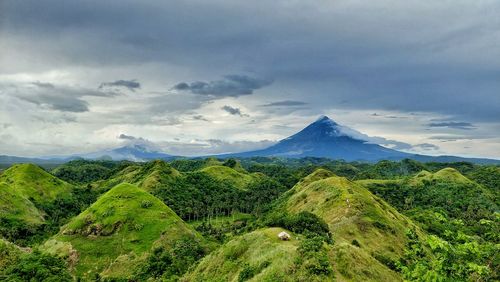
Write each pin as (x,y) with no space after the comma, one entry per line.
(303,222)
(38,267)
(163,263)
(146,204)
(249,271)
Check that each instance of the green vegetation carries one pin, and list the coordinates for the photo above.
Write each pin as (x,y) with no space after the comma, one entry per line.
(85,171)
(258,256)
(34,203)
(17,264)
(147,176)
(197,195)
(224,173)
(219,220)
(462,216)
(369,234)
(35,184)
(115,234)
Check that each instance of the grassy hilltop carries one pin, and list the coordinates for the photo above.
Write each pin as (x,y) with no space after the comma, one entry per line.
(115,234)
(212,220)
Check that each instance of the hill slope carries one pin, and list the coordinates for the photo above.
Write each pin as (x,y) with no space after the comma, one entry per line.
(117,233)
(446,191)
(34,183)
(28,198)
(369,234)
(257,256)
(238,179)
(16,207)
(145,176)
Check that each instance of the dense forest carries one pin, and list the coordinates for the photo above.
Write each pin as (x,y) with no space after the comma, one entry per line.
(219,220)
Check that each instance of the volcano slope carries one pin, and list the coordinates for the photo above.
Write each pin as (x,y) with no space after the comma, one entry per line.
(115,236)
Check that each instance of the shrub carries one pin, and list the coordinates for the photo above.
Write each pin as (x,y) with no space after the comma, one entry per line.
(38,267)
(303,222)
(146,204)
(163,263)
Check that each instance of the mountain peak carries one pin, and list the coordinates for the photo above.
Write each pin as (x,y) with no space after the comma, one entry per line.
(324,118)
(324,121)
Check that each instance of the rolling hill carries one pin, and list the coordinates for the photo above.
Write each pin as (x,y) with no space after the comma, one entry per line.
(446,191)
(34,183)
(14,206)
(27,192)
(256,256)
(117,233)
(369,234)
(146,176)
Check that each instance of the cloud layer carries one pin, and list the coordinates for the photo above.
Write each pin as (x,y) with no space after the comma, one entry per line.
(231,85)
(427,69)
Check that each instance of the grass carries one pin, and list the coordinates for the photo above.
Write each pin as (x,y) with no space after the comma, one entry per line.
(34,183)
(24,190)
(353,215)
(261,250)
(223,173)
(14,205)
(117,232)
(145,176)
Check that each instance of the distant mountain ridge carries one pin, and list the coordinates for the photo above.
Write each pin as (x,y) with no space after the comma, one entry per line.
(323,138)
(326,138)
(132,152)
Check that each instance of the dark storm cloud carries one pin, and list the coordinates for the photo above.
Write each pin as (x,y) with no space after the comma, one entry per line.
(426,147)
(426,56)
(131,85)
(453,124)
(44,85)
(286,103)
(126,137)
(200,117)
(64,98)
(230,86)
(232,111)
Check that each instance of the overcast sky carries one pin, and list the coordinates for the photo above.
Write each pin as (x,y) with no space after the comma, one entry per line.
(195,77)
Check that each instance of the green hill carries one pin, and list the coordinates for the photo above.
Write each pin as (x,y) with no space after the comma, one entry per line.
(369,234)
(446,191)
(461,216)
(29,199)
(16,207)
(369,238)
(238,179)
(444,202)
(256,256)
(34,183)
(146,176)
(116,234)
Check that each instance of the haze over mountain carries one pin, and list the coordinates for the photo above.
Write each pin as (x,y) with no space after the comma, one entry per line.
(324,138)
(327,139)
